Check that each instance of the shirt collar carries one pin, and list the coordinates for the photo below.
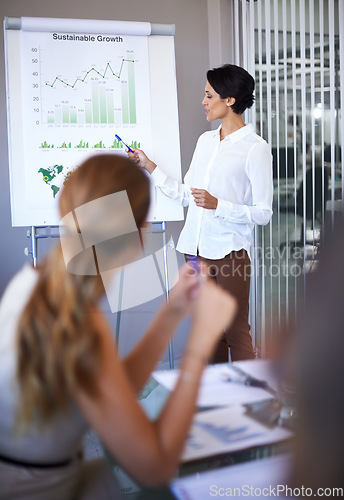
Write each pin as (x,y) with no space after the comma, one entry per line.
(237,135)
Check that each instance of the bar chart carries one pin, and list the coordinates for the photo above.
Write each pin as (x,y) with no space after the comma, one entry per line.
(86,144)
(105,97)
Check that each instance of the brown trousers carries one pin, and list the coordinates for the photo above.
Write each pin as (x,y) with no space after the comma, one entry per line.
(233,274)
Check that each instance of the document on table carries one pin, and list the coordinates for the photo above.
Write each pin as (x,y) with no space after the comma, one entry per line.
(252,479)
(226,430)
(216,390)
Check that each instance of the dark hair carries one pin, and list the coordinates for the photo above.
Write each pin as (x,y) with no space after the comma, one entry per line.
(232,81)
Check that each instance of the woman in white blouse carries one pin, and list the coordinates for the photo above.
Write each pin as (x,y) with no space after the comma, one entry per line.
(228,189)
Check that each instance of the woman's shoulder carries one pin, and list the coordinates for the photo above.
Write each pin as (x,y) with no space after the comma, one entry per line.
(18,290)
(254,137)
(23,278)
(207,136)
(256,145)
(260,140)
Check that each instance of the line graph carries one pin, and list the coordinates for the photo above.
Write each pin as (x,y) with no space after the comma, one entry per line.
(108,66)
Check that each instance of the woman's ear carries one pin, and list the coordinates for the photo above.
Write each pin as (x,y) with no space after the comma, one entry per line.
(230,101)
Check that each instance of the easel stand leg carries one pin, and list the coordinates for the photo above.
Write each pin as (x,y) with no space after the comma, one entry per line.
(34,246)
(157,227)
(35,236)
(167,287)
(119,310)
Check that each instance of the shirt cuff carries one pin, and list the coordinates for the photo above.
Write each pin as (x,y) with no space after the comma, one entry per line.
(223,208)
(158,177)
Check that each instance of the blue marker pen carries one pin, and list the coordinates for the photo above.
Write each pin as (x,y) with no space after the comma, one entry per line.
(126,145)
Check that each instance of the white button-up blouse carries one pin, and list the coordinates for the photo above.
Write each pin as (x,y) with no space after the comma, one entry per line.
(238,172)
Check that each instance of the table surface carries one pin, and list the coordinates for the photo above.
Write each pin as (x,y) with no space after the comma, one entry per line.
(156,394)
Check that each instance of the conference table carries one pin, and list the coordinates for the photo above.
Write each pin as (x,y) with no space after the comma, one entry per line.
(241,436)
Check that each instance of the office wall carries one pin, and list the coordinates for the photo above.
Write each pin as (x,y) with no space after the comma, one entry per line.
(192,57)
(221,41)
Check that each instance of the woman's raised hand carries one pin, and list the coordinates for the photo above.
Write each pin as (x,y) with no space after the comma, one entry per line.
(214,311)
(141,159)
(212,308)
(184,294)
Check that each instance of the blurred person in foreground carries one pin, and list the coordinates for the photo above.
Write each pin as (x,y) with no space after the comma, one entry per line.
(60,372)
(318,368)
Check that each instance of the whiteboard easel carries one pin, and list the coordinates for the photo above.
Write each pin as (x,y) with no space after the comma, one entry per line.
(52,146)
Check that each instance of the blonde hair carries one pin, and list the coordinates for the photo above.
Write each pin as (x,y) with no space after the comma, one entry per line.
(58,347)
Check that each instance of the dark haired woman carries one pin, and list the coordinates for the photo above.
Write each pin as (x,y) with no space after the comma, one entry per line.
(59,368)
(228,189)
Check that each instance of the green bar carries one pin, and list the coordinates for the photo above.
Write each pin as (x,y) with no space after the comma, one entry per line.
(110,107)
(117,144)
(132,97)
(80,116)
(73,116)
(95,102)
(125,103)
(65,114)
(118,116)
(51,119)
(102,101)
(58,114)
(88,112)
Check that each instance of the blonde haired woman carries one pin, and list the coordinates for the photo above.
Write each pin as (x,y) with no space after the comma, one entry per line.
(59,369)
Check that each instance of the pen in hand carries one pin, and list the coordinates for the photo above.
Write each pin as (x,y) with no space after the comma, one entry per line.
(126,145)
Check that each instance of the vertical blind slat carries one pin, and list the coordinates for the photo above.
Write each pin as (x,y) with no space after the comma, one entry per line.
(312,70)
(237,32)
(322,99)
(332,102)
(260,239)
(303,120)
(269,131)
(293,55)
(244,34)
(285,88)
(277,122)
